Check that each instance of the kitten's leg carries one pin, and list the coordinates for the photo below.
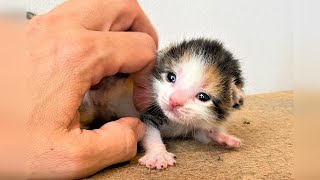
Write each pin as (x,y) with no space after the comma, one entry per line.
(223,138)
(218,136)
(202,136)
(156,155)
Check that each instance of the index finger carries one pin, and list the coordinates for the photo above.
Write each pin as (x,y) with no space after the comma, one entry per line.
(101,15)
(143,24)
(126,52)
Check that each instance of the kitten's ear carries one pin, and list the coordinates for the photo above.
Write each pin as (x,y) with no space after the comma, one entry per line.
(237,96)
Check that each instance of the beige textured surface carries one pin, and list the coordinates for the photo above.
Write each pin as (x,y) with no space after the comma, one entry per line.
(267,151)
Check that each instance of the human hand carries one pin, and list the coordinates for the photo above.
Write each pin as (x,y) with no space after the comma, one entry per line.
(69,50)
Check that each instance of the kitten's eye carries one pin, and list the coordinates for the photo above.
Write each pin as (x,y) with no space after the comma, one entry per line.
(171,77)
(203,97)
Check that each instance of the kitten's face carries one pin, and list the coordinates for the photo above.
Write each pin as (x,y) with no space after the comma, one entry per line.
(192,90)
(186,92)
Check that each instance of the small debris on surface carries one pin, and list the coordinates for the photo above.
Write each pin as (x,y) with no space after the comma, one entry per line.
(220,158)
(246,121)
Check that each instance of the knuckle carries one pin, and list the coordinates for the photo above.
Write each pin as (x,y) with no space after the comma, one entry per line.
(70,54)
(127,5)
(73,47)
(130,137)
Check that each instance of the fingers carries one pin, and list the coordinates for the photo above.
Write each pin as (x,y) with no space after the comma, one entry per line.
(86,13)
(114,15)
(143,24)
(113,143)
(125,52)
(135,124)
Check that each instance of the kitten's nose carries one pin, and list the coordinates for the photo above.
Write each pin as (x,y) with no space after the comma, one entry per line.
(178,98)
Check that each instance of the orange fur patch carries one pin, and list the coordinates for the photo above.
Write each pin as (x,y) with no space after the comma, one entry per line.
(212,80)
(186,57)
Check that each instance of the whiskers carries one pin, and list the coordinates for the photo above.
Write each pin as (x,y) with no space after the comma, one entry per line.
(196,117)
(156,109)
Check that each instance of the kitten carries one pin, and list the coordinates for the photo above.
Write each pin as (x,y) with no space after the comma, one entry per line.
(195,86)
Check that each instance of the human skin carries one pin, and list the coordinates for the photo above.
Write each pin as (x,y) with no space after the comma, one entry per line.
(68,50)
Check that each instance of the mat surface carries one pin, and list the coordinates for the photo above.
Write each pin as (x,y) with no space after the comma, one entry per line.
(265,125)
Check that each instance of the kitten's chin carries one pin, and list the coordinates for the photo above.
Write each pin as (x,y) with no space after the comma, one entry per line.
(175,117)
(173,114)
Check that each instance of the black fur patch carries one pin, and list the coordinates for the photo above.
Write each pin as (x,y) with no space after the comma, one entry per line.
(121,75)
(220,112)
(154,116)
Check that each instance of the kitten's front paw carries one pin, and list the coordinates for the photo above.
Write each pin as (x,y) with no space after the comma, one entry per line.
(225,139)
(160,160)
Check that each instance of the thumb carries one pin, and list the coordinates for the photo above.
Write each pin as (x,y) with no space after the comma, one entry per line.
(113,143)
(132,123)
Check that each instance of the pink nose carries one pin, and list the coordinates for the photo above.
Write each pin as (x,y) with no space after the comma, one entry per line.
(178,98)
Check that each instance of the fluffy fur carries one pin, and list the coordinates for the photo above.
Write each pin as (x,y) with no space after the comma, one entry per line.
(199,66)
(196,85)
(111,99)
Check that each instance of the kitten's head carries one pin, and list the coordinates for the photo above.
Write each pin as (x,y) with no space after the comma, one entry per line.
(197,83)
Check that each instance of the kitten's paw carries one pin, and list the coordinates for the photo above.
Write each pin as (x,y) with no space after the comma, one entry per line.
(160,160)
(225,139)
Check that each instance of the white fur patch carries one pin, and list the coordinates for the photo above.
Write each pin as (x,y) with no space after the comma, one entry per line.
(156,155)
(190,78)
(191,74)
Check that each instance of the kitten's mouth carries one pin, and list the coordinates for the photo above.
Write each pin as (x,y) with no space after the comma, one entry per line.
(172,113)
(177,114)
(170,109)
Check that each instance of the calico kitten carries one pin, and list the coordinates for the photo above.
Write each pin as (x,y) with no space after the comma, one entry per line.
(195,86)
